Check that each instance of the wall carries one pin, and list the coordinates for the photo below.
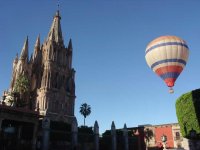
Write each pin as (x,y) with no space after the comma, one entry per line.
(164,130)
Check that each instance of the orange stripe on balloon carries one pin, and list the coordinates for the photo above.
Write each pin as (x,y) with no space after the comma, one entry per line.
(174,38)
(167,69)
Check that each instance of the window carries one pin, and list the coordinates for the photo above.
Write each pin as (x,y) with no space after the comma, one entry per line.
(177,135)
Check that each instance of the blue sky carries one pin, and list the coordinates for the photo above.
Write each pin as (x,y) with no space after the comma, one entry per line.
(109,40)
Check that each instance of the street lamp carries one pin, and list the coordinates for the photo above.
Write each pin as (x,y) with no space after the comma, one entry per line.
(164,140)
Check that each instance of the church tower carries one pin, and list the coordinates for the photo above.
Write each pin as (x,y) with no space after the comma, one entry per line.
(56,93)
(20,65)
(52,77)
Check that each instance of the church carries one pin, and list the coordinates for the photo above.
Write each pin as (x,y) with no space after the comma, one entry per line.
(45,83)
(50,73)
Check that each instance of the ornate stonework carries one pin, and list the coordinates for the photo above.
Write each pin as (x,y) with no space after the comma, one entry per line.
(52,85)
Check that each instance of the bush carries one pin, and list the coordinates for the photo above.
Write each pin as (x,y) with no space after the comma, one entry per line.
(188,112)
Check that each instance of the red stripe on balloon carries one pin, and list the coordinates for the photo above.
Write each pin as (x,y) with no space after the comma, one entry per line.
(166,69)
(170,81)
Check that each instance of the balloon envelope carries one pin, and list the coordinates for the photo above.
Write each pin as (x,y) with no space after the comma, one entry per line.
(167,56)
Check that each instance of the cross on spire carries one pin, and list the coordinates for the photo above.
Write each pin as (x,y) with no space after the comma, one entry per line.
(58,5)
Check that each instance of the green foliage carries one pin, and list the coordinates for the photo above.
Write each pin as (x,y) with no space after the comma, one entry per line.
(22,84)
(106,133)
(188,112)
(148,135)
(13,99)
(21,89)
(20,101)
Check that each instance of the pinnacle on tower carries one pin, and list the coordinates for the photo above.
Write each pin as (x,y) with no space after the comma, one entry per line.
(37,47)
(16,58)
(37,43)
(69,54)
(70,45)
(55,33)
(24,52)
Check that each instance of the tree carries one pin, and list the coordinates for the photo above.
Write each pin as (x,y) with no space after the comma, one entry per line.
(148,135)
(22,84)
(21,90)
(85,110)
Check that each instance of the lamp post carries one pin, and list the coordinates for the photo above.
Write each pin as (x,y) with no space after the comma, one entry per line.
(164,140)
(193,135)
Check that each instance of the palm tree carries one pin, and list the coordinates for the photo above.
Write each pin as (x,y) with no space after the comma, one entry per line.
(85,110)
(148,135)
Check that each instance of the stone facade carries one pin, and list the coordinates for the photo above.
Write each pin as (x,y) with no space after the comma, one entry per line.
(51,76)
(179,140)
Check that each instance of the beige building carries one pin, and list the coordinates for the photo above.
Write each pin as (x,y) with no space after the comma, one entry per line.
(179,140)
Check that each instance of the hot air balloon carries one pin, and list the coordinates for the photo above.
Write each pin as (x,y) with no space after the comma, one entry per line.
(167,57)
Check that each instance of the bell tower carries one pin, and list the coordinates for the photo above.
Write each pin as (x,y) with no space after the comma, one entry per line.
(56,92)
(51,75)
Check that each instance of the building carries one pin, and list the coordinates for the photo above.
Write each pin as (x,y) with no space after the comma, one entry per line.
(51,76)
(174,139)
(146,137)
(42,89)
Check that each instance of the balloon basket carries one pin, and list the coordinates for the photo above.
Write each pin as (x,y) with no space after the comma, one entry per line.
(171,91)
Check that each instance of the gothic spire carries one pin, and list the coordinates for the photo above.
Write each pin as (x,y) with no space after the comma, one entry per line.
(37,43)
(16,59)
(70,45)
(37,47)
(55,32)
(24,52)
